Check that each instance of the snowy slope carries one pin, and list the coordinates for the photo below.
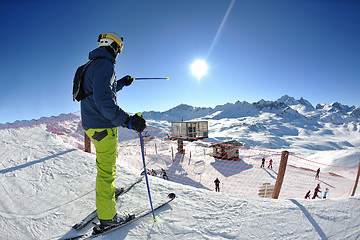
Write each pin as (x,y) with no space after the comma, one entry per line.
(47,186)
(47,182)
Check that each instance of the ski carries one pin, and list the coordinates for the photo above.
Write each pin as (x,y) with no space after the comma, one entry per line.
(93,214)
(137,215)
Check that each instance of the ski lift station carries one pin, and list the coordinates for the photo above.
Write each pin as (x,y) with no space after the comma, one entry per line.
(197,130)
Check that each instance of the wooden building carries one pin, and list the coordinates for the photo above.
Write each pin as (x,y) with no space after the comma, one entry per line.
(227,150)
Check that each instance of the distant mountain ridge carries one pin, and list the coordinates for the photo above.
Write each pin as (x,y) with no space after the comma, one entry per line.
(286,123)
(285,106)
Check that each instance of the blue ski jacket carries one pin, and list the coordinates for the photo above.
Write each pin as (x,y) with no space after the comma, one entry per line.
(100,110)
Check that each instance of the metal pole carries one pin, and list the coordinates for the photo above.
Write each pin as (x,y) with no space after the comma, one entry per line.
(151,78)
(146,177)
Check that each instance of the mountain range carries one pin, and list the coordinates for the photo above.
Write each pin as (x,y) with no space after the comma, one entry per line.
(283,124)
(286,106)
(286,123)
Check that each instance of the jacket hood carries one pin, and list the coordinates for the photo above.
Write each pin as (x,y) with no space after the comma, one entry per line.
(101,52)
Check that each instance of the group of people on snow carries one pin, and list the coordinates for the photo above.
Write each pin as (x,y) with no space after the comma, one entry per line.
(317,188)
(263,163)
(153,173)
(316,193)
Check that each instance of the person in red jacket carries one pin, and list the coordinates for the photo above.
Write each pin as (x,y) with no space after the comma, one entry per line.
(270,163)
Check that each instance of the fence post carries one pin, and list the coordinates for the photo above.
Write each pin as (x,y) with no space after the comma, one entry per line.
(281,174)
(356,181)
(180,146)
(87,143)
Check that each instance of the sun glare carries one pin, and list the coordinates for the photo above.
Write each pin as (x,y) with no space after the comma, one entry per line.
(199,68)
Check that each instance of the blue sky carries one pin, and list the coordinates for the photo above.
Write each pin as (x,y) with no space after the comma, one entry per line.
(261,50)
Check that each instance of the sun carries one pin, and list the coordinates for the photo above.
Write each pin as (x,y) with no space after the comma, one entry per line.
(199,68)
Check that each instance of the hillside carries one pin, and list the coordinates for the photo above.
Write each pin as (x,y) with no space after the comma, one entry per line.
(287,124)
(47,181)
(46,187)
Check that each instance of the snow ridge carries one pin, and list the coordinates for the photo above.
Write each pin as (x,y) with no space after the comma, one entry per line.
(332,113)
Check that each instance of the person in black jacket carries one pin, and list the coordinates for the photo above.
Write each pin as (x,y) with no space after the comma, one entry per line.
(317,174)
(217,185)
(262,163)
(317,190)
(101,115)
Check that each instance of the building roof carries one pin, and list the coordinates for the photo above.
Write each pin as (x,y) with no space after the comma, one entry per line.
(231,142)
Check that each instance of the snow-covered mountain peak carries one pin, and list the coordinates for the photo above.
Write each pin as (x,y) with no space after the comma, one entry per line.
(239,109)
(287,100)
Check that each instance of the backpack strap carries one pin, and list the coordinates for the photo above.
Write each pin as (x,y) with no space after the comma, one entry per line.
(83,72)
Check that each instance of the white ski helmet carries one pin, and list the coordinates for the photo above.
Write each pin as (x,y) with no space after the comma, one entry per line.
(112,40)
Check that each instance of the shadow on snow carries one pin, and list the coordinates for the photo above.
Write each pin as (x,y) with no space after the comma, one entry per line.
(11,169)
(229,168)
(178,174)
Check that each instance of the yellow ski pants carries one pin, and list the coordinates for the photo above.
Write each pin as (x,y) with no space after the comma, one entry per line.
(105,141)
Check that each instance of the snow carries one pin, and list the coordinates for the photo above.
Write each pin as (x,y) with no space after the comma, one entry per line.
(47,182)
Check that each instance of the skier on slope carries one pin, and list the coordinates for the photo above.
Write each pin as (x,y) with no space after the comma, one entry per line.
(270,163)
(325,193)
(317,174)
(217,185)
(164,174)
(317,190)
(100,118)
(307,196)
(262,163)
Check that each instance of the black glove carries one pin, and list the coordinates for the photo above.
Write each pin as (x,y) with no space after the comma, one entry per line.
(136,122)
(127,80)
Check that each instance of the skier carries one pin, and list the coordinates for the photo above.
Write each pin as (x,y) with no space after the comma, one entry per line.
(100,118)
(217,185)
(262,163)
(317,190)
(307,196)
(270,163)
(325,193)
(153,172)
(317,174)
(164,174)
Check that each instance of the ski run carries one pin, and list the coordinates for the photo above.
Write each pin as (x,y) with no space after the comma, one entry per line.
(47,186)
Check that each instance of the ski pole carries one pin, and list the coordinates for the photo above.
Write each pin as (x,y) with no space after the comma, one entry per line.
(146,177)
(167,78)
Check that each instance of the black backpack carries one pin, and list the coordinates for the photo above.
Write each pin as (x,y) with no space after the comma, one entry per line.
(78,89)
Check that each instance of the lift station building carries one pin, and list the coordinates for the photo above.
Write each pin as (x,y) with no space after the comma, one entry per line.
(197,130)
